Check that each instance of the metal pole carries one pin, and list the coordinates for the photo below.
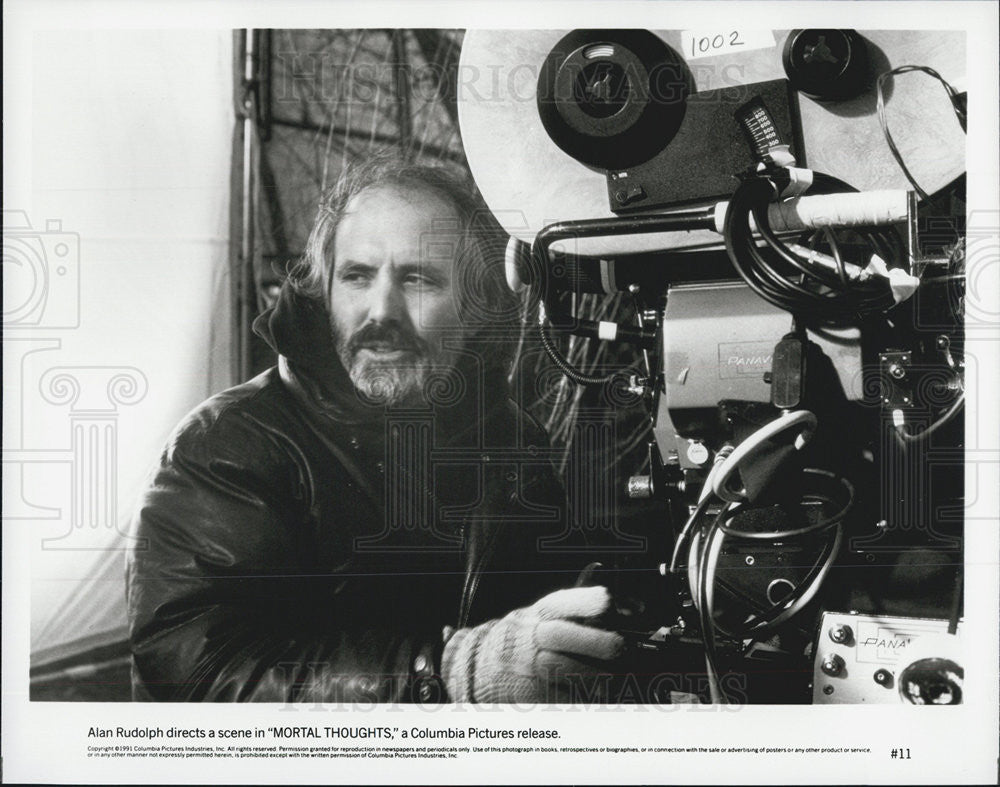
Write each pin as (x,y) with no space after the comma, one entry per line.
(246,294)
(404,118)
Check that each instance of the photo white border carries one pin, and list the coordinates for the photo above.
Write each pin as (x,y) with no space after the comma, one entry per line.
(46,742)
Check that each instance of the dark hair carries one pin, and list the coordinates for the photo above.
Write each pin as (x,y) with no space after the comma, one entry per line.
(485,304)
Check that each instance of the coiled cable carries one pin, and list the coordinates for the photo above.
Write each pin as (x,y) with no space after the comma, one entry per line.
(771,271)
(705,534)
(561,361)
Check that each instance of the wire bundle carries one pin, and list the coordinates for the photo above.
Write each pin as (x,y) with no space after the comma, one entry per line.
(904,436)
(705,534)
(781,277)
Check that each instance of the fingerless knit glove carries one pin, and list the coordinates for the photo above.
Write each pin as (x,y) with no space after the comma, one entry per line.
(532,654)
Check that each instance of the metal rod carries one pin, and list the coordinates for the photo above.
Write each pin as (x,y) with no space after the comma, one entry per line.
(691,219)
(247,238)
(405,120)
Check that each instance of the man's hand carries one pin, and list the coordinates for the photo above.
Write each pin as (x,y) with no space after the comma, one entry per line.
(533,654)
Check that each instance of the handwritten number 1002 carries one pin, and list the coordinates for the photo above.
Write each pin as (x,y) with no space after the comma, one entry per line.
(700,46)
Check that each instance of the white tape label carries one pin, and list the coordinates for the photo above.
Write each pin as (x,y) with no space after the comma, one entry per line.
(710,43)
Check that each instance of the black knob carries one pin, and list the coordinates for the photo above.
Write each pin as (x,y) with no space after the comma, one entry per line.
(932,681)
(829,65)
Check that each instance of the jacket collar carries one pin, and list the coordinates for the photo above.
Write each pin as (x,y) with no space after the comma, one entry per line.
(297,327)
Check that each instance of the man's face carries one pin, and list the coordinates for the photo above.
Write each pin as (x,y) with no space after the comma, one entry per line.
(391,295)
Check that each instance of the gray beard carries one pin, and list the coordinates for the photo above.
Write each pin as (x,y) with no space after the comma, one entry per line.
(389,383)
(404,381)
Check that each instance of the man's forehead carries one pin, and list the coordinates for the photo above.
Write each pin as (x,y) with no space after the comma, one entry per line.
(410,224)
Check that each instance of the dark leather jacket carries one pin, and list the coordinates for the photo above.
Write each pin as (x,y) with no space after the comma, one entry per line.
(297,544)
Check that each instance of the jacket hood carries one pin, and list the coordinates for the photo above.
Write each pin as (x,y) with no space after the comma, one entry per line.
(297,328)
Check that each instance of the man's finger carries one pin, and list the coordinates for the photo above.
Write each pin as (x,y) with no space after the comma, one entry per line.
(573,603)
(569,637)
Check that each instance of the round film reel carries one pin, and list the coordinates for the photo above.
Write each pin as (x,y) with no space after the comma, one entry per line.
(612,98)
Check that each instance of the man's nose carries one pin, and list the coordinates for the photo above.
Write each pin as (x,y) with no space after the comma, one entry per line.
(386,303)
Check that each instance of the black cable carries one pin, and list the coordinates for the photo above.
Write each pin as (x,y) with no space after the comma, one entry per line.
(760,621)
(705,618)
(685,533)
(743,253)
(675,221)
(808,530)
(831,241)
(770,271)
(563,363)
(948,416)
(708,622)
(875,301)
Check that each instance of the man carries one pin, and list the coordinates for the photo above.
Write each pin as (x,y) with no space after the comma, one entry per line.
(372,519)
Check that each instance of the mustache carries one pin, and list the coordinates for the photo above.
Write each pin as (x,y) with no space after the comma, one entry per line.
(386,336)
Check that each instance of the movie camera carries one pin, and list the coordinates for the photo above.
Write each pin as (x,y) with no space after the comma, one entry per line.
(782,213)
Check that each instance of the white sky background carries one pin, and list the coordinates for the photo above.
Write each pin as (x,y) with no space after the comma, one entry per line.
(124,135)
(131,154)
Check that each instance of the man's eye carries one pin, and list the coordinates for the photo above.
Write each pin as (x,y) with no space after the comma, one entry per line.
(418,280)
(353,277)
